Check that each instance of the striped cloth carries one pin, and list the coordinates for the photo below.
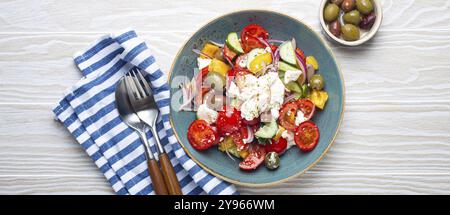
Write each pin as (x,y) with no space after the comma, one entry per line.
(88,111)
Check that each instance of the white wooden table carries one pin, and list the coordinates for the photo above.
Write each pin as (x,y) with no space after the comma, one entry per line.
(395,138)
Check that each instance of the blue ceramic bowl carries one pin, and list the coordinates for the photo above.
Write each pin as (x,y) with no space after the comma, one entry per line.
(293,162)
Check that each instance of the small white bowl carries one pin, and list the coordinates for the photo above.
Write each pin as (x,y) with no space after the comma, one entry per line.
(364,35)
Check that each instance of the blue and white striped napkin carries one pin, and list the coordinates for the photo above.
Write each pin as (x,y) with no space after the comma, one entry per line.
(89,112)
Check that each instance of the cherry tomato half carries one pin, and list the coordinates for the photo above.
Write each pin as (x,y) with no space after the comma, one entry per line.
(250,42)
(255,30)
(307,107)
(239,136)
(276,146)
(254,159)
(228,121)
(307,136)
(202,136)
(288,112)
(250,35)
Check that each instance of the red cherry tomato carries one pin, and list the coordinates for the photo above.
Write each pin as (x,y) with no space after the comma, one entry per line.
(204,71)
(228,121)
(276,146)
(255,30)
(307,107)
(238,138)
(250,35)
(288,112)
(254,159)
(250,42)
(300,52)
(307,136)
(231,73)
(202,136)
(244,132)
(230,77)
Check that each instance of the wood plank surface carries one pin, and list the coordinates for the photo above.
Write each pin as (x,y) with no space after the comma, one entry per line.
(395,138)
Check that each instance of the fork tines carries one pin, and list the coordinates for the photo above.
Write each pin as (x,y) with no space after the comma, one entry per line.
(138,84)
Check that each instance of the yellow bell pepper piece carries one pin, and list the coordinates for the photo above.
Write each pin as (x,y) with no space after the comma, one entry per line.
(319,98)
(226,144)
(210,50)
(244,154)
(280,131)
(259,62)
(311,60)
(219,67)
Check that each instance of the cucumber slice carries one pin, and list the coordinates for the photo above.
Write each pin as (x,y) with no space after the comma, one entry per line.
(306,91)
(281,75)
(294,87)
(233,43)
(262,141)
(269,130)
(287,53)
(282,66)
(252,54)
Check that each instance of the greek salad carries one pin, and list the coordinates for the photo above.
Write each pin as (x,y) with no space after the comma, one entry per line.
(254,97)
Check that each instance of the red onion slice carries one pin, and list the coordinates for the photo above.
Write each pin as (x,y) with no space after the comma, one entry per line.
(265,43)
(196,51)
(275,41)
(229,155)
(289,98)
(250,136)
(187,97)
(310,72)
(217,44)
(276,56)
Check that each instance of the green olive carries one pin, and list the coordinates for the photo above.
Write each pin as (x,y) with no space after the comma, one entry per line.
(331,12)
(350,32)
(317,82)
(364,6)
(352,17)
(272,160)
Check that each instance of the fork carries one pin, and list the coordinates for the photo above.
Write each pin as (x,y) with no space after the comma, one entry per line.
(143,103)
(130,118)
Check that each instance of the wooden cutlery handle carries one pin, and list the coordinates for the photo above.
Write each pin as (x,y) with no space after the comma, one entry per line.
(170,176)
(157,179)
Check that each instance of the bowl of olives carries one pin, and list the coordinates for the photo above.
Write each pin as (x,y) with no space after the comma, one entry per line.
(350,22)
